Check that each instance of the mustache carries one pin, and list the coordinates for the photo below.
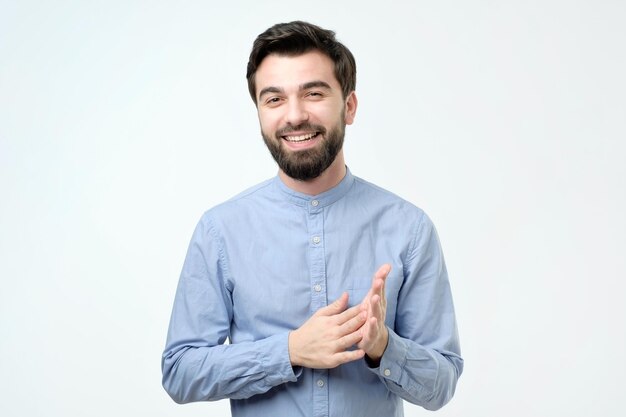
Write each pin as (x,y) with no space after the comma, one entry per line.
(302,126)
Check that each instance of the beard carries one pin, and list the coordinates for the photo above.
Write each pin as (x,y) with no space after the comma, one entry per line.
(306,164)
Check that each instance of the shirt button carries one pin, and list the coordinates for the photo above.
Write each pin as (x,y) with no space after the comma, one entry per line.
(316,240)
(317,288)
(387,372)
(315,203)
(320,383)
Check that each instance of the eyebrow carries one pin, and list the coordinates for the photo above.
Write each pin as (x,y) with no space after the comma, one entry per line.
(268,90)
(315,84)
(305,86)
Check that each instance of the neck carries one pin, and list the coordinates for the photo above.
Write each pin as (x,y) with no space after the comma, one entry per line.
(327,180)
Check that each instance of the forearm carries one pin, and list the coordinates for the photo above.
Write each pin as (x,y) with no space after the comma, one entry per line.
(203,373)
(420,375)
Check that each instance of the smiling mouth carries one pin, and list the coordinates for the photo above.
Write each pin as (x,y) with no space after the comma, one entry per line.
(301,138)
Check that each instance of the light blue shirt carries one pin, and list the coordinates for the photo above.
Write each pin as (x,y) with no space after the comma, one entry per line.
(260,264)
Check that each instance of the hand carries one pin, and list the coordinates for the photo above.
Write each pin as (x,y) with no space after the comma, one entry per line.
(375,333)
(323,341)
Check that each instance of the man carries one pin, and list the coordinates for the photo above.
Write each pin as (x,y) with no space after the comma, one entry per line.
(284,270)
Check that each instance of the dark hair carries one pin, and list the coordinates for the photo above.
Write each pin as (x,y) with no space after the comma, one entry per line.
(296,38)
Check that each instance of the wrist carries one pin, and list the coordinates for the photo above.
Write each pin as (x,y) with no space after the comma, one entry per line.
(291,348)
(374,356)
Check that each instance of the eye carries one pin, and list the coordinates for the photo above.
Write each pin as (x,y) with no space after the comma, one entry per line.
(272,101)
(315,94)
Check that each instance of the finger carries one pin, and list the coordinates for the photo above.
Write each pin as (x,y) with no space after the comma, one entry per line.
(375,298)
(376,307)
(377,287)
(348,340)
(368,332)
(335,307)
(382,291)
(382,272)
(378,281)
(348,314)
(354,323)
(348,356)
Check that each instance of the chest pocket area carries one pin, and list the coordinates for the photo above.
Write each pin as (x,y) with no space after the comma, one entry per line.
(393,284)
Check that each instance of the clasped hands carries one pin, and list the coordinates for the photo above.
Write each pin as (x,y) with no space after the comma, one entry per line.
(325,339)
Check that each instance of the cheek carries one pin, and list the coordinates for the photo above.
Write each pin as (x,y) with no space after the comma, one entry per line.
(268,122)
(326,116)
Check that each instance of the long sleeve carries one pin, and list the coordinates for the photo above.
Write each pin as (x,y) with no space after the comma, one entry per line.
(422,362)
(196,364)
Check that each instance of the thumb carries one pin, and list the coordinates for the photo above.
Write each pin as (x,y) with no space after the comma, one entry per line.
(382,272)
(335,307)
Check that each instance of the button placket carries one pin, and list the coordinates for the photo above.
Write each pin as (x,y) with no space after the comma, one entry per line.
(315,220)
(320,393)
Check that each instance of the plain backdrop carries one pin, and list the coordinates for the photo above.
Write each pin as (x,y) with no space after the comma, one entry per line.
(121,122)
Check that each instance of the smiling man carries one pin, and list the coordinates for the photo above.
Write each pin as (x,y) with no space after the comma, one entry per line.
(332,293)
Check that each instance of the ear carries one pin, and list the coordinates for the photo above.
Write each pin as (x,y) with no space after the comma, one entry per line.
(351,105)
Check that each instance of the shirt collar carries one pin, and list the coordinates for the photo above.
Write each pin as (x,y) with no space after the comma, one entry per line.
(321,200)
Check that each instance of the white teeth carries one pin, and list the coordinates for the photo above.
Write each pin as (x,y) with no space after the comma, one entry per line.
(300,138)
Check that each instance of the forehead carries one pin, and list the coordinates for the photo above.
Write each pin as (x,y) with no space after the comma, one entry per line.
(288,72)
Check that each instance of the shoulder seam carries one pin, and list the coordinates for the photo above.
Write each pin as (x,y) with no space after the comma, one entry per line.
(212,229)
(411,251)
(251,190)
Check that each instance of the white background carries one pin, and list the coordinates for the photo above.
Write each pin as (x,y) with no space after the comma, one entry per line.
(122,121)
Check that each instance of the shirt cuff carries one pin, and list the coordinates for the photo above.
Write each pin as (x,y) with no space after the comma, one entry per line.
(393,360)
(274,358)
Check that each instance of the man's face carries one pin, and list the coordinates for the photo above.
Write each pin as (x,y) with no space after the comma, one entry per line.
(302,112)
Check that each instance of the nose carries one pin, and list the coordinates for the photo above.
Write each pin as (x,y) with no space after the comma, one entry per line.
(296,112)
